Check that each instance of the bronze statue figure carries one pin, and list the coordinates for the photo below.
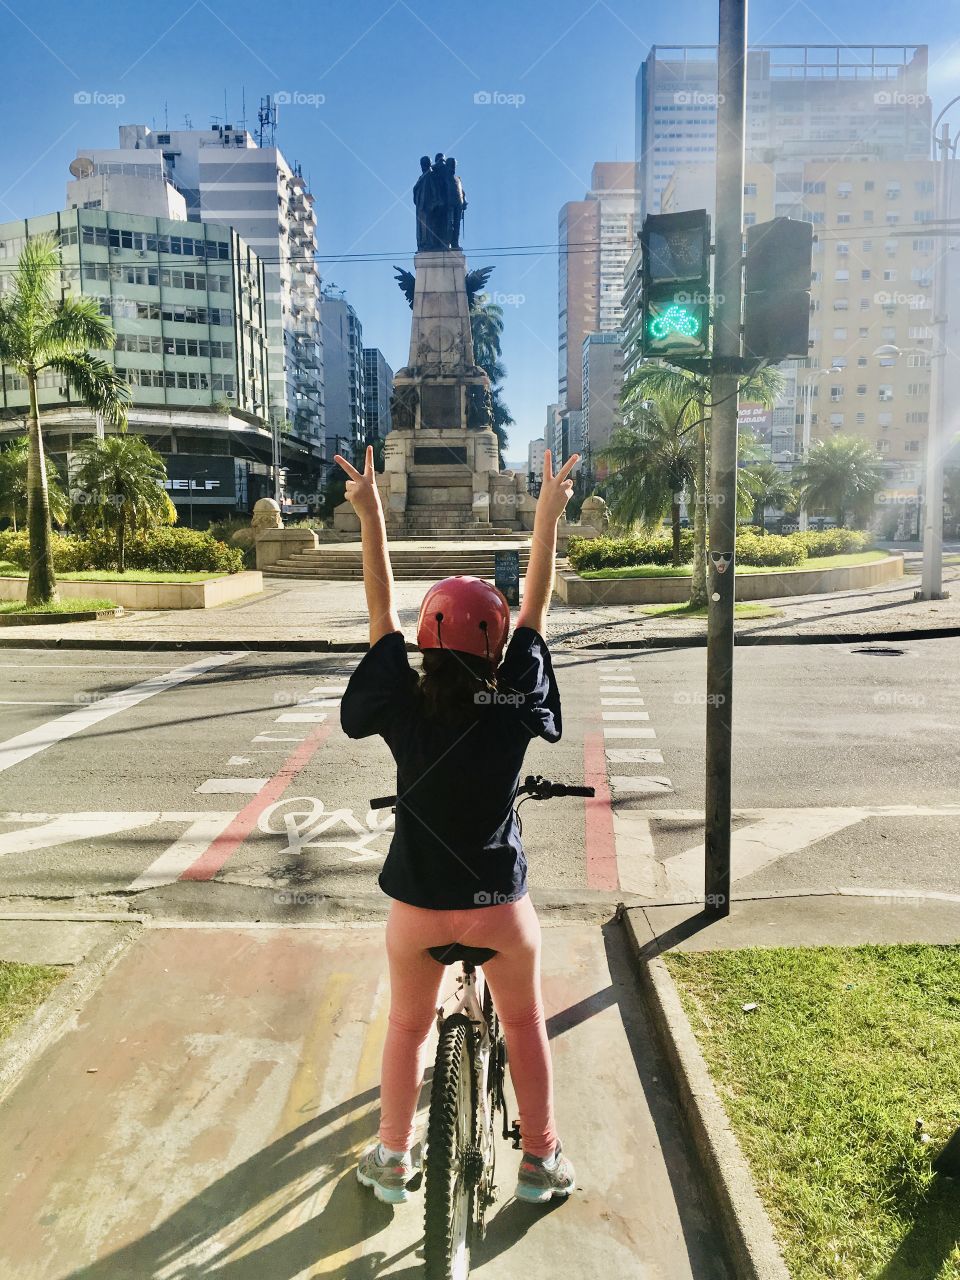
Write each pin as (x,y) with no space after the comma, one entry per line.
(439,201)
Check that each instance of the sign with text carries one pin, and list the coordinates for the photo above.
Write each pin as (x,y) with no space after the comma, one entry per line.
(197,477)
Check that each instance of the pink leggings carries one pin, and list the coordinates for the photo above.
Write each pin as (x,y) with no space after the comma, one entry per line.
(513,931)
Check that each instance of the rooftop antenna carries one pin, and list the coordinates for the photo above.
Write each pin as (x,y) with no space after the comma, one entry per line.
(187,122)
(243,109)
(166,120)
(267,117)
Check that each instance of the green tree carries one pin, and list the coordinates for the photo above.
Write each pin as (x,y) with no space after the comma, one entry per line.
(119,487)
(666,383)
(651,461)
(767,486)
(486,325)
(40,330)
(841,474)
(951,495)
(14,469)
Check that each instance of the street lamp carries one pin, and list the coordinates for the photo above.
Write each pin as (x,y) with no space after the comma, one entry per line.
(806,390)
(931,583)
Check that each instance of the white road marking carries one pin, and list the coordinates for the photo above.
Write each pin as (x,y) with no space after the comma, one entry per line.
(185,850)
(337,690)
(238,760)
(619,731)
(621,702)
(637,867)
(276,737)
(771,834)
(640,785)
(301,717)
(231,786)
(634,755)
(318,702)
(28,744)
(63,828)
(625,715)
(607,689)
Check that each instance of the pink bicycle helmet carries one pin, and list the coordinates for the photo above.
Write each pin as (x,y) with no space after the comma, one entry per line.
(465,614)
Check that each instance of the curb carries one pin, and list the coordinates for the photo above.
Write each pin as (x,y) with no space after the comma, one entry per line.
(741,640)
(747,1230)
(59,1011)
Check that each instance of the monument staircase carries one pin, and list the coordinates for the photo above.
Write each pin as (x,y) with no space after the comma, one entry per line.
(413,560)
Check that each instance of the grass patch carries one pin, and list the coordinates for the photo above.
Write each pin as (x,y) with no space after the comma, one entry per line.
(22,988)
(685,570)
(744,609)
(823,1084)
(10,570)
(75,604)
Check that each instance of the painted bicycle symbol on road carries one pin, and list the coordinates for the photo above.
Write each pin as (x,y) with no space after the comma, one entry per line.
(303,819)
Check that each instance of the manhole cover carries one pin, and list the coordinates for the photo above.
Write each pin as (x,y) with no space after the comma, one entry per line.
(882,650)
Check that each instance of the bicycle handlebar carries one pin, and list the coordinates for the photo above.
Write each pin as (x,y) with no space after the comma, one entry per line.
(533,787)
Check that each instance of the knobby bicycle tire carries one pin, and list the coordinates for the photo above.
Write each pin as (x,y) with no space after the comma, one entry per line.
(453,1086)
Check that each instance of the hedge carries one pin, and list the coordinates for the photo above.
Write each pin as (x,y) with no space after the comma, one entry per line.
(834,542)
(163,550)
(770,551)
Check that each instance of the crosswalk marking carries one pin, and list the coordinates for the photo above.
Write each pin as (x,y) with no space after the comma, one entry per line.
(640,785)
(634,755)
(617,688)
(301,717)
(231,786)
(621,702)
(625,715)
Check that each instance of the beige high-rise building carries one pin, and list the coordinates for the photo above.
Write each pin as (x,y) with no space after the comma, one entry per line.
(596,238)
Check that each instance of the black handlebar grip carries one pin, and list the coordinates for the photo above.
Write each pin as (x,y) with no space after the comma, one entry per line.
(383,802)
(579,791)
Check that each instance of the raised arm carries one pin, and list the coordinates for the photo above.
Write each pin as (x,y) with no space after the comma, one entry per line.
(362,492)
(555,493)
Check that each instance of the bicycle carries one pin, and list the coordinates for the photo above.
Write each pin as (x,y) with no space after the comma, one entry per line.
(467,1092)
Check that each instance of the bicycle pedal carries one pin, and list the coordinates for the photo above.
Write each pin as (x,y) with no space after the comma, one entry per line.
(515,1137)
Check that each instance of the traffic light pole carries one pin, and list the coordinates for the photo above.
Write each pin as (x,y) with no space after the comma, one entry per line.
(727,307)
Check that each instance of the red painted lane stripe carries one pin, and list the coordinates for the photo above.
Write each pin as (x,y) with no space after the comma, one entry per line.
(220,850)
(600,844)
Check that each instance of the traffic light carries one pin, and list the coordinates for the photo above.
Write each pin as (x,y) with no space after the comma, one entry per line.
(776,303)
(675,307)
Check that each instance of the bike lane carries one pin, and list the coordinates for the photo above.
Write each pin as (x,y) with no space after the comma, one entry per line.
(203,1111)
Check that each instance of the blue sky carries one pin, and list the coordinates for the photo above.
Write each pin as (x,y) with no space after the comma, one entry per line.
(398,79)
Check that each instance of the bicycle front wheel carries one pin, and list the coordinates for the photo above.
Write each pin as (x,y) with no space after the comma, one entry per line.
(454,1162)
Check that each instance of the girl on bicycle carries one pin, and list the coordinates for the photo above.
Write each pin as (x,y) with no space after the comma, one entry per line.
(456,870)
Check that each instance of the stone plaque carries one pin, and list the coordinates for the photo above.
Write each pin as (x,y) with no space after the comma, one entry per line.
(439,405)
(425,455)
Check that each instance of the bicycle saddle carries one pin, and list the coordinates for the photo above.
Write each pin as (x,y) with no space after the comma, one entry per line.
(451,952)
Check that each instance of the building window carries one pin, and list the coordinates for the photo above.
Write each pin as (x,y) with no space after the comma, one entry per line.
(883,446)
(911,446)
(842,274)
(862,389)
(885,391)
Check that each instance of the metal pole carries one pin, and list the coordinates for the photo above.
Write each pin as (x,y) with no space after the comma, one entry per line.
(931,582)
(805,445)
(728,303)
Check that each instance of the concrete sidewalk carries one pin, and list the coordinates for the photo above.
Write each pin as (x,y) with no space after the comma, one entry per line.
(314,614)
(203,1112)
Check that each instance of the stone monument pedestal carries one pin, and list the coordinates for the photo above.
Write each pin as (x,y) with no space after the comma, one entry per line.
(440,459)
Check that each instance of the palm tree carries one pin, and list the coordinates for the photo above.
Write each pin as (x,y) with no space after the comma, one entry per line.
(119,481)
(486,325)
(767,486)
(651,463)
(659,381)
(14,466)
(839,474)
(39,331)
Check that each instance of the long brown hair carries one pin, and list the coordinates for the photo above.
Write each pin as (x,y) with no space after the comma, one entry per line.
(453,685)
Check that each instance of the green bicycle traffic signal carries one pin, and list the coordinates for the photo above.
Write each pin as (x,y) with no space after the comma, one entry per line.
(675,252)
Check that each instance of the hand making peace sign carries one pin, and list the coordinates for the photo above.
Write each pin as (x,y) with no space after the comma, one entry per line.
(361,488)
(555,490)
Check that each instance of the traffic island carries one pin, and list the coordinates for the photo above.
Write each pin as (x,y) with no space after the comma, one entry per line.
(29,617)
(820,1083)
(147,591)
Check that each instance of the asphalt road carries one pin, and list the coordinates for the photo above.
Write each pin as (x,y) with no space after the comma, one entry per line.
(221,786)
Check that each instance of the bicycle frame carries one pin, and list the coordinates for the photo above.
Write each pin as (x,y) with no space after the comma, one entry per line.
(469,1004)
